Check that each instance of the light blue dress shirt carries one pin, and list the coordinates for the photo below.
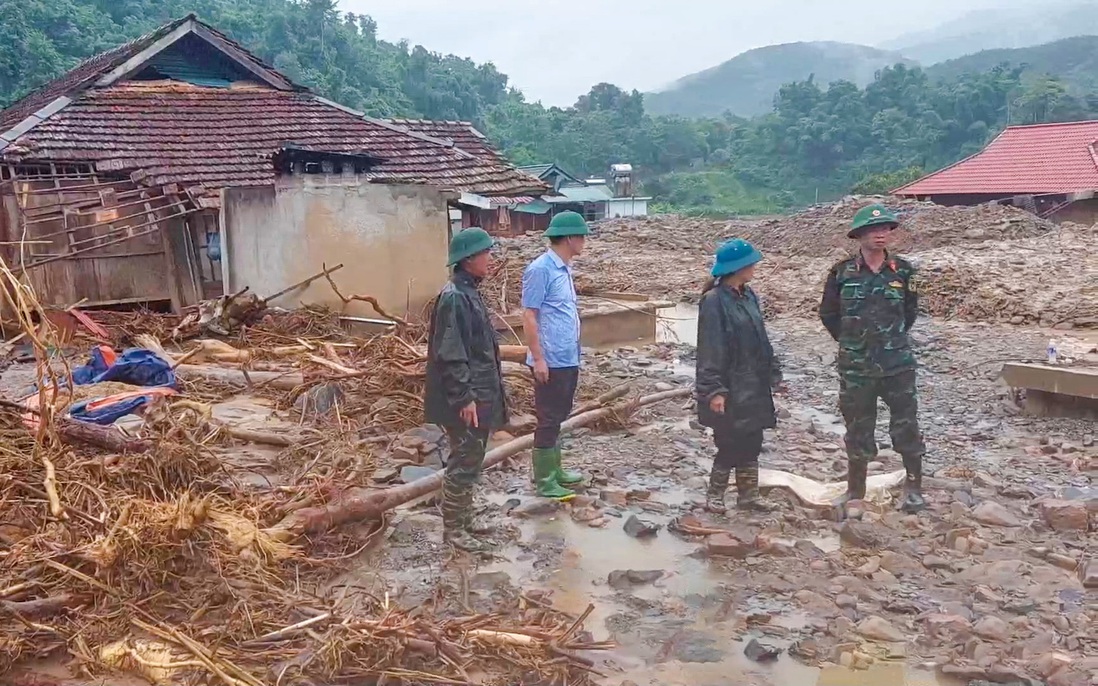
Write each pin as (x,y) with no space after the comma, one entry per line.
(548,288)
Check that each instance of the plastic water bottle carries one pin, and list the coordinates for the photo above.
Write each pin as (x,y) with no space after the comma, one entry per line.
(1053,355)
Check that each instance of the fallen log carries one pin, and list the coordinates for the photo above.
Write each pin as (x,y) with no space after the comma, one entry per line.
(615,393)
(362,504)
(513,353)
(286,381)
(44,607)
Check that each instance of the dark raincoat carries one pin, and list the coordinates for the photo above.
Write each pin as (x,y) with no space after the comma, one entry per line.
(463,362)
(736,360)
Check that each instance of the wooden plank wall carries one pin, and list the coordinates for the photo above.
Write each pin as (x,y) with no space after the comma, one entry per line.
(83,237)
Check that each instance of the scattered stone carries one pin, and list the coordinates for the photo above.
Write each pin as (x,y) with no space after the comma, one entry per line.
(626,578)
(935,562)
(880,629)
(994,514)
(846,601)
(616,498)
(1088,574)
(384,475)
(1065,515)
(807,650)
(860,534)
(640,528)
(774,546)
(320,400)
(1050,663)
(537,507)
(761,652)
(415,472)
(992,628)
(727,545)
(939,623)
(490,581)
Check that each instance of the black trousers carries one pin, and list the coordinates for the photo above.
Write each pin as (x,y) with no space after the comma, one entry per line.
(737,448)
(553,403)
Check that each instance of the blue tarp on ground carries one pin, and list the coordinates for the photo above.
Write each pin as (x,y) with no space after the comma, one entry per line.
(136,366)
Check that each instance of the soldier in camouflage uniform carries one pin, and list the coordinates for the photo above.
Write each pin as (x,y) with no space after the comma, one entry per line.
(464,391)
(869,304)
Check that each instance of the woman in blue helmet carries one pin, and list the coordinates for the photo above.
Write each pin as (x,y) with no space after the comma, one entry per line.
(736,372)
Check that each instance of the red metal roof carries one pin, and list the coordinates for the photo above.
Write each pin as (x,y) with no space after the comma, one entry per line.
(171,132)
(1044,158)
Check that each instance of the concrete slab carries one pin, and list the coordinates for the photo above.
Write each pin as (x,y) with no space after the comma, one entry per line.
(1081,382)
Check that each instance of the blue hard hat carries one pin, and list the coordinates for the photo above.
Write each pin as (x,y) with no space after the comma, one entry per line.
(734,256)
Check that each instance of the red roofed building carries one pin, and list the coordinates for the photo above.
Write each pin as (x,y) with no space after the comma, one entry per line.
(119,177)
(1049,169)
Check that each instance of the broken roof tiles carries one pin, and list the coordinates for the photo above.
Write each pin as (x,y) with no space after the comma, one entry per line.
(165,132)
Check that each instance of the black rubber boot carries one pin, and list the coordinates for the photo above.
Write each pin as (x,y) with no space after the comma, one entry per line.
(718,485)
(913,501)
(747,487)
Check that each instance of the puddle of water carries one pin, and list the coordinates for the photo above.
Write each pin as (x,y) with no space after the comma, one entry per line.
(678,324)
(892,675)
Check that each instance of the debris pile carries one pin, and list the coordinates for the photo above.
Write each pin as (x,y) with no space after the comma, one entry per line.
(148,551)
(983,263)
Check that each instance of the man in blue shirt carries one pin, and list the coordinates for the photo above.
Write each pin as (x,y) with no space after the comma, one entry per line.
(552,325)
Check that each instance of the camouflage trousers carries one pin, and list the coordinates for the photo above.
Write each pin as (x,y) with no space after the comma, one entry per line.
(467,448)
(858,403)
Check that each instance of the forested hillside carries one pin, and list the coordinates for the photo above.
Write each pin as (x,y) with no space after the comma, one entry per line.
(745,85)
(820,138)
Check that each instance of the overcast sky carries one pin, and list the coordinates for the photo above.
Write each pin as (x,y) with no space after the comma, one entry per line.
(554,51)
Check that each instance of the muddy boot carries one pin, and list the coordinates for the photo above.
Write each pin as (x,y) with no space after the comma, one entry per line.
(565,477)
(457,504)
(478,526)
(913,501)
(747,489)
(545,475)
(855,483)
(718,484)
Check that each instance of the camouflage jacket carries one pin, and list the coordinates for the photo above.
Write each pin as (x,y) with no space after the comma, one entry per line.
(463,362)
(870,315)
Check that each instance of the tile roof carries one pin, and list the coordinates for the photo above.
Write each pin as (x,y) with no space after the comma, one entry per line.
(1044,158)
(172,132)
(461,133)
(164,132)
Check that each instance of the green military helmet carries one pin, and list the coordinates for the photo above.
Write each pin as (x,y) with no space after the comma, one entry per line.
(567,224)
(467,243)
(871,215)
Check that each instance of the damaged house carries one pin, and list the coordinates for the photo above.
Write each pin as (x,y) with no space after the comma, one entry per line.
(179,167)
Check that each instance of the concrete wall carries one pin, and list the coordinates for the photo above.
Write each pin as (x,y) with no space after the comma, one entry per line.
(392,241)
(627,207)
(1080,212)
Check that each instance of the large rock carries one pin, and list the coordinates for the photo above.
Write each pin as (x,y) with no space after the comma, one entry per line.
(861,535)
(727,545)
(994,514)
(640,528)
(879,629)
(992,628)
(1065,515)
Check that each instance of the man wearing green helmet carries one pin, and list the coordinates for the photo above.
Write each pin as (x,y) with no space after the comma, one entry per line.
(552,325)
(869,305)
(464,391)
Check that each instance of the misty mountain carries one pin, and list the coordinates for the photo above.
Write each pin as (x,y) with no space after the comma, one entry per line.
(745,85)
(1018,27)
(1075,60)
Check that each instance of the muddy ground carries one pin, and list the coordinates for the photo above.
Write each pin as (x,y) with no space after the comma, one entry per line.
(984,586)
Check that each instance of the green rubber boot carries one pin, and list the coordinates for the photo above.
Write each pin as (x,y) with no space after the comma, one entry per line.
(565,477)
(545,475)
